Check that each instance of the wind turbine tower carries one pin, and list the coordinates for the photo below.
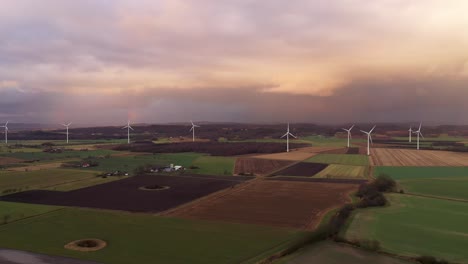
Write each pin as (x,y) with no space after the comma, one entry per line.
(128,127)
(349,134)
(193,130)
(67,126)
(369,139)
(410,132)
(419,134)
(287,138)
(6,131)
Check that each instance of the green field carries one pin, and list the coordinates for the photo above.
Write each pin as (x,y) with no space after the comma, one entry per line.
(44,156)
(21,181)
(403,173)
(444,182)
(136,238)
(344,172)
(211,165)
(344,159)
(334,253)
(414,226)
(10,212)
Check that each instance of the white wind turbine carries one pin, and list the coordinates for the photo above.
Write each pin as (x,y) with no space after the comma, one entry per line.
(193,130)
(128,127)
(349,133)
(6,131)
(67,126)
(287,138)
(410,132)
(369,139)
(418,133)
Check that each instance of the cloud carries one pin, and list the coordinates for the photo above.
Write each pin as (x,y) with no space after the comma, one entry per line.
(249,57)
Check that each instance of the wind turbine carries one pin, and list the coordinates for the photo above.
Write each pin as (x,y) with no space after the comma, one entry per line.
(67,125)
(287,138)
(349,133)
(410,132)
(369,139)
(6,131)
(193,130)
(128,127)
(418,132)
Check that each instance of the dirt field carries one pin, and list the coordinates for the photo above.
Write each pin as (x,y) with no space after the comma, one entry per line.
(407,157)
(126,194)
(331,150)
(259,166)
(8,160)
(276,203)
(305,169)
(291,156)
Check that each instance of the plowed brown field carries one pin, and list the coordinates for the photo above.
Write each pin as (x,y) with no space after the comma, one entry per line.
(292,156)
(407,157)
(276,203)
(259,166)
(8,160)
(330,150)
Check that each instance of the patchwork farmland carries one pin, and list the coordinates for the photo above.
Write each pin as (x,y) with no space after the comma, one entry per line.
(406,157)
(257,166)
(271,203)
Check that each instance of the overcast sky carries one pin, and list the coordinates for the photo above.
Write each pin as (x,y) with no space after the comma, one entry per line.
(103,61)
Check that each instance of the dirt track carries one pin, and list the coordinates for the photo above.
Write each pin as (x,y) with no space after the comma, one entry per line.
(407,157)
(268,202)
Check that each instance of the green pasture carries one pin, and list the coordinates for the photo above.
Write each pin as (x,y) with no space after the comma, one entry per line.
(212,165)
(10,212)
(404,173)
(41,179)
(414,226)
(344,159)
(45,156)
(139,238)
(334,253)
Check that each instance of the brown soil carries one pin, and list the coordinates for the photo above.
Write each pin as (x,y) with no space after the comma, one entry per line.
(305,169)
(259,167)
(290,204)
(291,156)
(8,160)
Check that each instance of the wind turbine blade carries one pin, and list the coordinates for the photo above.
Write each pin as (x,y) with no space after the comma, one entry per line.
(420,125)
(350,137)
(131,128)
(372,129)
(284,135)
(69,124)
(191,122)
(364,131)
(345,129)
(421,135)
(292,135)
(351,127)
(124,127)
(370,137)
(6,124)
(191,129)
